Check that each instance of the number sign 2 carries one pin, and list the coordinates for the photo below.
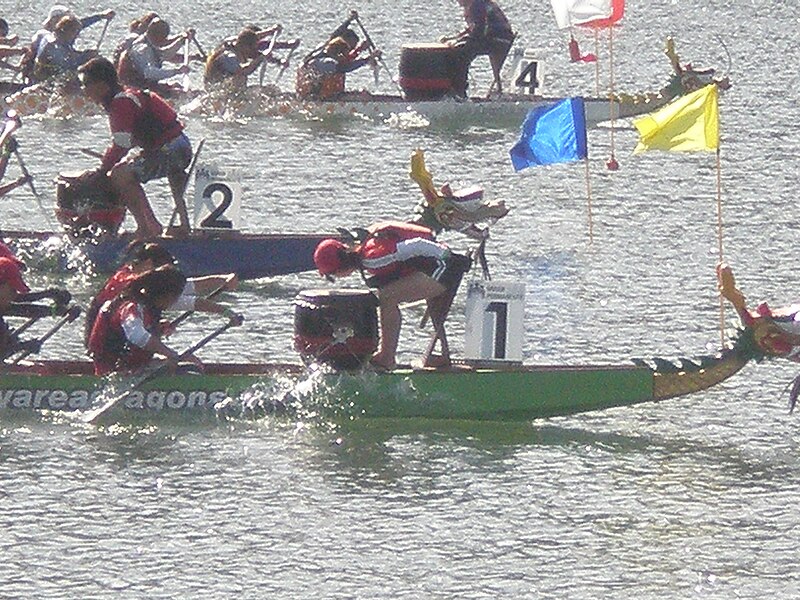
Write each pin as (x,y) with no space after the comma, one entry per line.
(217,198)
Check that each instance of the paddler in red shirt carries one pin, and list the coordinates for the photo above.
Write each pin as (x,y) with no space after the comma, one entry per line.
(148,257)
(16,300)
(405,264)
(128,329)
(138,119)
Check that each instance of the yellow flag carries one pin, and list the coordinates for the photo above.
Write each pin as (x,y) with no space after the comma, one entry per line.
(688,124)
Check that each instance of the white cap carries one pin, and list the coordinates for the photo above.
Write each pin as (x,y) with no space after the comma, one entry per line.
(56,12)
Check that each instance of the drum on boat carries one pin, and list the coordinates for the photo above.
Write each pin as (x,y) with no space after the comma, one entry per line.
(427,71)
(336,327)
(87,205)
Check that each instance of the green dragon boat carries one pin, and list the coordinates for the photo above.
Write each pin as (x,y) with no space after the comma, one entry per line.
(465,390)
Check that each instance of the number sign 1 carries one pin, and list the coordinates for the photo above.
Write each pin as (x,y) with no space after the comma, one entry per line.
(217,198)
(494,324)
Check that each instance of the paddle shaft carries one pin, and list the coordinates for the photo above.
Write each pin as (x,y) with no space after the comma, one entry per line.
(202,52)
(71,315)
(185,81)
(28,176)
(92,153)
(267,53)
(285,65)
(25,326)
(372,45)
(344,25)
(11,125)
(102,35)
(188,177)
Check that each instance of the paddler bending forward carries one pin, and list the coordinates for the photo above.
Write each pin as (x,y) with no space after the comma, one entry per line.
(16,300)
(405,264)
(776,332)
(128,329)
(148,257)
(321,76)
(141,119)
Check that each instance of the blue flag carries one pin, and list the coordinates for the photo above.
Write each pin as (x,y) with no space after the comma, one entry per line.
(551,134)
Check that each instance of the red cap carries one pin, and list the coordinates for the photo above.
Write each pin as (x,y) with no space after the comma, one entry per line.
(10,273)
(328,256)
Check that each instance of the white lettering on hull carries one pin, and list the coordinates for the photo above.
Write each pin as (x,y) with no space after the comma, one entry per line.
(156,400)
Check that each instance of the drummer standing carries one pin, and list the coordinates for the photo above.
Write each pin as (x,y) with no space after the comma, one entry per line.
(144,119)
(488,32)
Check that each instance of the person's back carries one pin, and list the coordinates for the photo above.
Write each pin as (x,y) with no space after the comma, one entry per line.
(488,32)
(487,20)
(59,55)
(220,63)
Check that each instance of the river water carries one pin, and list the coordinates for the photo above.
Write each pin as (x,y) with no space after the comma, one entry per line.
(690,498)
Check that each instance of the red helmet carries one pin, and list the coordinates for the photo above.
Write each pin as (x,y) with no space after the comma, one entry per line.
(328,256)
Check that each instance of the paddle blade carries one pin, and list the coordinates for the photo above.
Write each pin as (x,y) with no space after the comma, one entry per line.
(793,393)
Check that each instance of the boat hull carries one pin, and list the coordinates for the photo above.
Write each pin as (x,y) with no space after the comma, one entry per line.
(250,256)
(463,392)
(508,109)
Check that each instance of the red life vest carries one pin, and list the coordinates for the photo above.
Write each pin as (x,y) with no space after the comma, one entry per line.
(155,122)
(383,241)
(112,288)
(108,345)
(144,116)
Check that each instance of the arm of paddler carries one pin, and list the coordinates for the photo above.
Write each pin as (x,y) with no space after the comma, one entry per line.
(196,303)
(201,286)
(58,296)
(137,334)
(122,120)
(29,311)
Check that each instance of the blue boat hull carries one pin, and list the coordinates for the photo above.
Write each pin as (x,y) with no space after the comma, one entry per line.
(250,256)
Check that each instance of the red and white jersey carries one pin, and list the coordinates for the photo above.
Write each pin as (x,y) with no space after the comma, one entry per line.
(139,118)
(397,248)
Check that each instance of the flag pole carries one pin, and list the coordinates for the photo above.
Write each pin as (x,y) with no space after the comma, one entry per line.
(597,63)
(612,163)
(589,199)
(719,245)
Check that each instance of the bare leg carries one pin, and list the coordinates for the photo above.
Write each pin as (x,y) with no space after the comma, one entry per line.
(411,288)
(132,195)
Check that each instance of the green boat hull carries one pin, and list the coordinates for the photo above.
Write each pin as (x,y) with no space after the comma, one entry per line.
(469,392)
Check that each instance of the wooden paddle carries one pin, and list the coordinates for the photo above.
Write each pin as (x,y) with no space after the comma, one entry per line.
(186,183)
(96,415)
(12,116)
(72,313)
(102,35)
(374,48)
